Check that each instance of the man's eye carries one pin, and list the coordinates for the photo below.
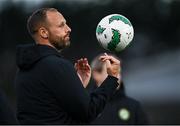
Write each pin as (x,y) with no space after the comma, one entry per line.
(61,25)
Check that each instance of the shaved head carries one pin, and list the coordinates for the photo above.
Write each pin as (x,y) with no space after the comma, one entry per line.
(38,19)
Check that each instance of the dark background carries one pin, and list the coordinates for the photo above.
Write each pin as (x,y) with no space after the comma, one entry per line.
(151,64)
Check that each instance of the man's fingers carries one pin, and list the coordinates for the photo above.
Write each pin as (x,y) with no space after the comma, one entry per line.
(114,59)
(105,54)
(111,58)
(108,64)
(83,64)
(75,65)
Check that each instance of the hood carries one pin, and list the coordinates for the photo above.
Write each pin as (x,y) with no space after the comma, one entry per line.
(27,55)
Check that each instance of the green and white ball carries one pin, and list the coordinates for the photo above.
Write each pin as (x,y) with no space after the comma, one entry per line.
(114,32)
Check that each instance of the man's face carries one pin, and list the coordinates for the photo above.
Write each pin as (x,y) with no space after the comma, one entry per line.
(58,30)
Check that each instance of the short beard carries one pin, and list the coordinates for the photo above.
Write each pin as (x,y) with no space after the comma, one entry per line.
(60,45)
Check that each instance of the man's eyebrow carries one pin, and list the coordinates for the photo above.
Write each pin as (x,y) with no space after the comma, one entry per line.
(63,22)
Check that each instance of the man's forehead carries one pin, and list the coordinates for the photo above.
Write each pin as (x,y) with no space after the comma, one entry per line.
(55,16)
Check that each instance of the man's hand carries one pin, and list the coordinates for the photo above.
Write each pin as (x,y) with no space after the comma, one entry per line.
(83,70)
(112,64)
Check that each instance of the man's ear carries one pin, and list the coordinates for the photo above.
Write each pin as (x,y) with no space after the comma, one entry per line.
(43,32)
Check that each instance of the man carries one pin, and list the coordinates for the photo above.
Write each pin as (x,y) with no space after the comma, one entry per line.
(120,109)
(49,88)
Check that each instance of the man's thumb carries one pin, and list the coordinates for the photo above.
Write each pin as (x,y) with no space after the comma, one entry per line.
(108,64)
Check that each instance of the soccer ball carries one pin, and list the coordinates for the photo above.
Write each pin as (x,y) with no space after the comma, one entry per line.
(114,32)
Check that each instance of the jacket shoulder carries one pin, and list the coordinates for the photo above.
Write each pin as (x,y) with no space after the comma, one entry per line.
(54,60)
(136,102)
(129,102)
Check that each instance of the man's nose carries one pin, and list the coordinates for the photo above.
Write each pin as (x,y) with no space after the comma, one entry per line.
(68,29)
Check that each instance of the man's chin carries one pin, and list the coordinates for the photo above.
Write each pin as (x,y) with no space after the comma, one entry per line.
(64,46)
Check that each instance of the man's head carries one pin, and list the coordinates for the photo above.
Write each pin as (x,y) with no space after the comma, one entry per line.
(48,26)
(99,70)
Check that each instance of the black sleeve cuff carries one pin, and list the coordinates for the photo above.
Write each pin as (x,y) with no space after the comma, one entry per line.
(109,85)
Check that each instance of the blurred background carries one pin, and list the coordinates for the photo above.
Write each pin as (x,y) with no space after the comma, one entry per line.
(151,64)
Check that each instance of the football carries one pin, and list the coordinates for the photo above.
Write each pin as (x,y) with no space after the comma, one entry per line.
(114,32)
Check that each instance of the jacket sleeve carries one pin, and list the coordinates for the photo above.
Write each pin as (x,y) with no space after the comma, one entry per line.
(71,95)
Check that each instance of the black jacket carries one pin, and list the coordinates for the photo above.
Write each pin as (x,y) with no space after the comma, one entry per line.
(50,92)
(122,109)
